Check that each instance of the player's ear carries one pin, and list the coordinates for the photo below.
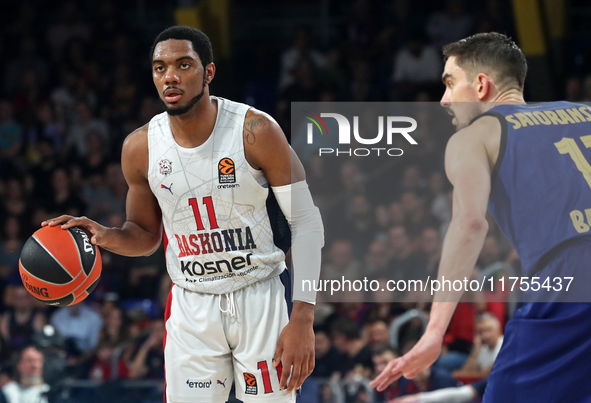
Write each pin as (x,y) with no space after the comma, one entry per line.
(483,86)
(209,73)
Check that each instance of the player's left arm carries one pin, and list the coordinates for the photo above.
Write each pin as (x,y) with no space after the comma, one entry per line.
(266,148)
(468,166)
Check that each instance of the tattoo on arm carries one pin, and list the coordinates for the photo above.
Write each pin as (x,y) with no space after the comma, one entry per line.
(251,125)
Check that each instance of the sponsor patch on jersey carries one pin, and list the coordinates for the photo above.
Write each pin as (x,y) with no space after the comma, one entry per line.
(226,171)
(165,167)
(251,384)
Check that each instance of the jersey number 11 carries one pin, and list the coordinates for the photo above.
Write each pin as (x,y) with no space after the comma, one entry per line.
(213,223)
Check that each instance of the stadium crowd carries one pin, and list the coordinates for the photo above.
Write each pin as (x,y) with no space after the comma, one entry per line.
(76,81)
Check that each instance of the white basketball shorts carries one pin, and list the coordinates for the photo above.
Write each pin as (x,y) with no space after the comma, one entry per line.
(208,344)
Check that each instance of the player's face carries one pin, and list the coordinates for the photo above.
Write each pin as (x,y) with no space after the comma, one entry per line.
(460,97)
(179,76)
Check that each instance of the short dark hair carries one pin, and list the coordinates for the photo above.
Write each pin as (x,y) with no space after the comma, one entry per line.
(200,41)
(382,350)
(490,50)
(346,327)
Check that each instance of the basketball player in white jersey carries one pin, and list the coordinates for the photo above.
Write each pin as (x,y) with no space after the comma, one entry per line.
(199,178)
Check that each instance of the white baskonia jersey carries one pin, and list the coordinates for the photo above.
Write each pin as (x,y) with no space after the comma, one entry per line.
(221,221)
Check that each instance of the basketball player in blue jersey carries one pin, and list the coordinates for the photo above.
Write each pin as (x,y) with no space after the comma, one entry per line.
(211,177)
(529,165)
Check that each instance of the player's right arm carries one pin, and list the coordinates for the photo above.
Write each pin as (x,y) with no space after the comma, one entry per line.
(141,234)
(468,164)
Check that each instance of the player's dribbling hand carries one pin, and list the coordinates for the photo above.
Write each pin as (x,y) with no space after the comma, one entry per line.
(421,356)
(92,228)
(295,347)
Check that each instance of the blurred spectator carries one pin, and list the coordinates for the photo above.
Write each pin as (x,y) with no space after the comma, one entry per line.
(379,335)
(64,97)
(450,25)
(148,362)
(363,30)
(417,215)
(358,223)
(492,17)
(573,89)
(377,258)
(85,123)
(11,132)
(487,344)
(361,86)
(347,339)
(305,86)
(457,342)
(334,73)
(93,167)
(125,91)
(439,205)
(109,197)
(328,358)
(70,26)
(397,214)
(28,386)
(381,357)
(382,219)
(102,364)
(341,262)
(45,128)
(405,262)
(417,63)
(587,89)
(115,326)
(15,202)
(490,253)
(412,181)
(28,60)
(400,18)
(11,243)
(80,325)
(43,170)
(21,320)
(300,50)
(353,179)
(431,246)
(64,200)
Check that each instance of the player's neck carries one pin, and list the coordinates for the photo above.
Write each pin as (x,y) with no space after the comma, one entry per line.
(512,96)
(193,128)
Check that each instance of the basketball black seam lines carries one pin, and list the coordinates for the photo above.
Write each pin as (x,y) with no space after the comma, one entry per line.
(87,277)
(54,258)
(80,256)
(49,282)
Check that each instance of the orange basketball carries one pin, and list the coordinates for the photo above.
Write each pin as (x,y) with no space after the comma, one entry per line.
(60,267)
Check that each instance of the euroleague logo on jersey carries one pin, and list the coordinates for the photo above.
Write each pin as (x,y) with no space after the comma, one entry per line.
(227,173)
(251,384)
